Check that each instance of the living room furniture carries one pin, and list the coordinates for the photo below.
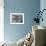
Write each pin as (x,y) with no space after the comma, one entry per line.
(39,33)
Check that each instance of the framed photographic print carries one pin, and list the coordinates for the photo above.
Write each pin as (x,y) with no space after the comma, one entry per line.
(16,18)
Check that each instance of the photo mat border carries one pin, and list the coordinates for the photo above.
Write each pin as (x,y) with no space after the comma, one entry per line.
(16,14)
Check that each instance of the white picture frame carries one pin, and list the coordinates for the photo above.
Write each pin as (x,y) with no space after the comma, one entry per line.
(16,18)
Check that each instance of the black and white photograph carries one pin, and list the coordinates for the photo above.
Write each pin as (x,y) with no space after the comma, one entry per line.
(16,18)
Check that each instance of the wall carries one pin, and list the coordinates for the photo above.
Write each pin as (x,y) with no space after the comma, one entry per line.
(43,6)
(1,20)
(29,8)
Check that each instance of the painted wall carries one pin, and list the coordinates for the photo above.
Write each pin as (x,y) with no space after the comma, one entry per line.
(43,6)
(29,8)
(1,20)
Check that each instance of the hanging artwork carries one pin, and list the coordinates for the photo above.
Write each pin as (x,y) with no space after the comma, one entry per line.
(16,18)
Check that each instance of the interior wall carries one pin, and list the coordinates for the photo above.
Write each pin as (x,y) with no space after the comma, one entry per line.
(43,6)
(1,20)
(13,32)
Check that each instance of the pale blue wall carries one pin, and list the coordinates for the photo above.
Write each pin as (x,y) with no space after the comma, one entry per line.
(43,6)
(28,7)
